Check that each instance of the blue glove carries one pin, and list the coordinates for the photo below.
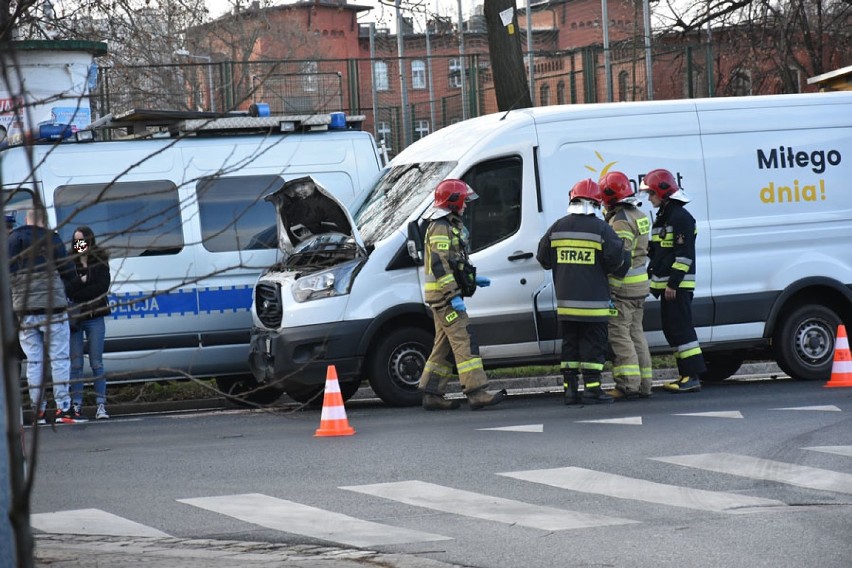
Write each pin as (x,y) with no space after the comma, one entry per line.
(483,281)
(458,304)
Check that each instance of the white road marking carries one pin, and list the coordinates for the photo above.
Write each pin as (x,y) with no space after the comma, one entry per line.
(723,414)
(612,485)
(91,522)
(524,428)
(630,421)
(291,517)
(824,408)
(769,470)
(839,450)
(487,507)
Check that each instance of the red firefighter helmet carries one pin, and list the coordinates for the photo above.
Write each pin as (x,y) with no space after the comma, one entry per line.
(586,189)
(660,182)
(615,186)
(452,194)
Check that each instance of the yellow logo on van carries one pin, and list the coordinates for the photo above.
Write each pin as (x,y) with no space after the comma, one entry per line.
(606,166)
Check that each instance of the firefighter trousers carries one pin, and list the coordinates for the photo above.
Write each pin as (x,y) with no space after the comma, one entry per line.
(680,333)
(453,341)
(631,364)
(584,350)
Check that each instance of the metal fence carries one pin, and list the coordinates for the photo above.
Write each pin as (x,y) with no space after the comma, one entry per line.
(401,107)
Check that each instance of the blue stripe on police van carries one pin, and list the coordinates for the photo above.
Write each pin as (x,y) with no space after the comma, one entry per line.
(187,301)
(224,299)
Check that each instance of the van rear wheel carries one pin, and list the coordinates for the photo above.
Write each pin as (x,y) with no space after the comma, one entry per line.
(803,343)
(397,363)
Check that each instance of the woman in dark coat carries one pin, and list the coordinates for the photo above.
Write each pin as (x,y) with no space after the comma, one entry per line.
(88,327)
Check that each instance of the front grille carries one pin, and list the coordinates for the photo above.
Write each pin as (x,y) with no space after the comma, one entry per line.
(267,303)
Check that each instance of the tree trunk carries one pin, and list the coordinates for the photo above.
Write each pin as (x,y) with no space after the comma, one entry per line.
(507,62)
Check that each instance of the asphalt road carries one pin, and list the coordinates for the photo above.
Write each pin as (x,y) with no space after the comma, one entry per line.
(742,474)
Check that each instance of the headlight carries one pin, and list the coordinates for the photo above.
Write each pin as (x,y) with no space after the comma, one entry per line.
(332,282)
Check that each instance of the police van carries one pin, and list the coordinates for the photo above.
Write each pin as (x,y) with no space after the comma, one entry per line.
(769,178)
(177,200)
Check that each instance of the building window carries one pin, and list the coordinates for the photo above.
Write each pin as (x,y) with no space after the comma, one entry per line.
(421,129)
(309,76)
(418,74)
(455,73)
(544,94)
(380,76)
(560,93)
(740,83)
(384,133)
(623,79)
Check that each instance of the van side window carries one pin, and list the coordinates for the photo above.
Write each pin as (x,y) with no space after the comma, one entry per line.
(497,212)
(234,215)
(138,218)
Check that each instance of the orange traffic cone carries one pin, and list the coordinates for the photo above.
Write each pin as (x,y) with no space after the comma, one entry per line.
(841,370)
(333,421)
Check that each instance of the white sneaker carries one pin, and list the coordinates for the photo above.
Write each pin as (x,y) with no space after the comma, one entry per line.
(101,413)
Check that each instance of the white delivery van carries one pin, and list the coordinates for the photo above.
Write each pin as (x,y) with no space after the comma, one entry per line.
(769,179)
(184,220)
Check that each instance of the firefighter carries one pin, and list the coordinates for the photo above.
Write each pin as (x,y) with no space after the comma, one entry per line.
(449,278)
(672,273)
(631,366)
(581,250)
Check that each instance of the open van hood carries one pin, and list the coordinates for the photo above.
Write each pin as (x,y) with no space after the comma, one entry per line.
(306,209)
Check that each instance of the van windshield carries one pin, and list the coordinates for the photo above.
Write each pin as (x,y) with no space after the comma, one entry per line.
(397,193)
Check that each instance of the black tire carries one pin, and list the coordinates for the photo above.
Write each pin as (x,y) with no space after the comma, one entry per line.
(244,391)
(721,365)
(803,343)
(397,363)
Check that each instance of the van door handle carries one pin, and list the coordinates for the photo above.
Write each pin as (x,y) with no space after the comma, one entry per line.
(521,256)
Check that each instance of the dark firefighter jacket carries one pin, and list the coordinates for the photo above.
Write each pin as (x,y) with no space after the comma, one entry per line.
(672,251)
(582,250)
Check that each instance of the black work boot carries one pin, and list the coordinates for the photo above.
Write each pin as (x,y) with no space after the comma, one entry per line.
(480,398)
(594,394)
(571,389)
(686,383)
(438,402)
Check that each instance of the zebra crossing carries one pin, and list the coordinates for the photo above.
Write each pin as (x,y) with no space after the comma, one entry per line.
(317,523)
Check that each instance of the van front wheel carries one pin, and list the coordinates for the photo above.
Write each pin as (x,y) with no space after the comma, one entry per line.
(804,342)
(397,363)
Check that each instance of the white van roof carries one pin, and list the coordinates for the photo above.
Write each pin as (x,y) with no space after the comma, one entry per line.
(453,142)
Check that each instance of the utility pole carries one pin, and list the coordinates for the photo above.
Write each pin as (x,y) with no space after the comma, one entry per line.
(607,64)
(400,52)
(530,54)
(649,67)
(461,63)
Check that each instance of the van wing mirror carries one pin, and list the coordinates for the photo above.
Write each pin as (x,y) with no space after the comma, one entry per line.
(415,241)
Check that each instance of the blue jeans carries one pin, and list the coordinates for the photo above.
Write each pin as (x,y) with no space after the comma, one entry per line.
(94,330)
(32,333)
